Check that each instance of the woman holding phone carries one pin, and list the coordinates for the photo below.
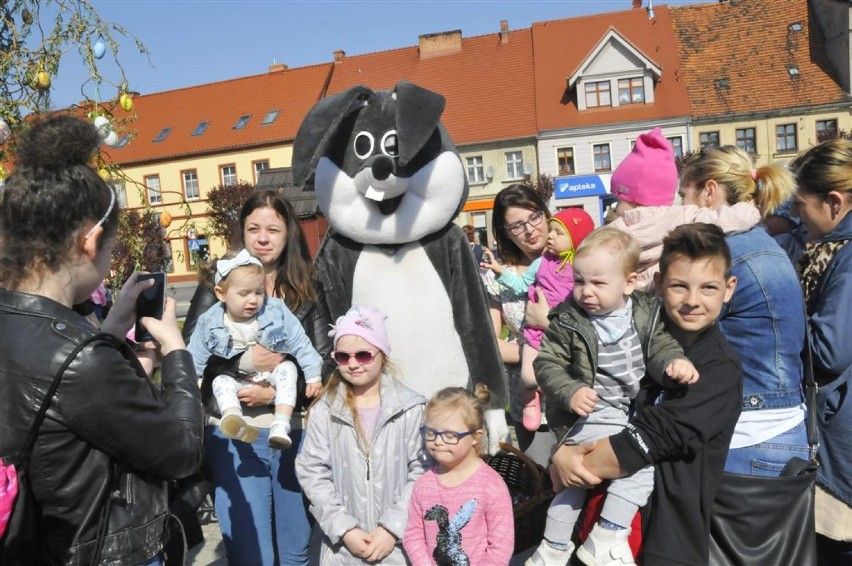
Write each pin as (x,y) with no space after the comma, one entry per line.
(259,502)
(110,436)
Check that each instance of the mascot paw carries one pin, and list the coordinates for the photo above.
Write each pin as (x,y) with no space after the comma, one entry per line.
(497,429)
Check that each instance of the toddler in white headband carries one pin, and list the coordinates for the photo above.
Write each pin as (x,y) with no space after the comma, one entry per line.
(245,316)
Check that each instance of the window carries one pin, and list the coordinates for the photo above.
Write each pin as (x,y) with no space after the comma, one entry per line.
(826,130)
(120,194)
(785,137)
(123,141)
(190,184)
(677,146)
(565,160)
(514,165)
(475,170)
(152,184)
(597,94)
(199,129)
(162,135)
(746,140)
(228,174)
(601,154)
(258,167)
(631,91)
(241,123)
(270,117)
(708,139)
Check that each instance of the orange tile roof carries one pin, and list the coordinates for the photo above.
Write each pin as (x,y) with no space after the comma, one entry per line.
(561,46)
(292,91)
(488,86)
(749,44)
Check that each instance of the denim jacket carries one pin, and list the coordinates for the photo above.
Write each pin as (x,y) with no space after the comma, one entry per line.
(278,331)
(765,321)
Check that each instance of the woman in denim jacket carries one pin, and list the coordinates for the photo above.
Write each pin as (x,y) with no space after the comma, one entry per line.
(823,204)
(764,320)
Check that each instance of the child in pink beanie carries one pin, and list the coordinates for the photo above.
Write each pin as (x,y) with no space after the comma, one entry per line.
(645,184)
(648,176)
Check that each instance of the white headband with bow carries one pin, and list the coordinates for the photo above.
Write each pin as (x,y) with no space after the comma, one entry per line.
(225,266)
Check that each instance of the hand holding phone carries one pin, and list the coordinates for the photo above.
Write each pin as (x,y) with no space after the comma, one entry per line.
(150,303)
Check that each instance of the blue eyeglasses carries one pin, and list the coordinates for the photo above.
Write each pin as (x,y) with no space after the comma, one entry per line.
(447,436)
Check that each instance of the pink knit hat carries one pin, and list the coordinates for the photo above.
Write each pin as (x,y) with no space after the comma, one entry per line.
(366,322)
(648,176)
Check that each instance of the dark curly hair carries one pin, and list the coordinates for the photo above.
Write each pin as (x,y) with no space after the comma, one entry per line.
(52,193)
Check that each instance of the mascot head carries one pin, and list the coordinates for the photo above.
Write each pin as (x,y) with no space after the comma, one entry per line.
(382,165)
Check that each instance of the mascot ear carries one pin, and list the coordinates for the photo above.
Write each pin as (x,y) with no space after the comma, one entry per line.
(418,112)
(319,128)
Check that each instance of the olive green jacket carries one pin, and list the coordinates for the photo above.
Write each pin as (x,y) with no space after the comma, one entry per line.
(568,358)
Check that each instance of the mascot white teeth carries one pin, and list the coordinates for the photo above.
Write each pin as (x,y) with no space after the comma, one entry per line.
(389,181)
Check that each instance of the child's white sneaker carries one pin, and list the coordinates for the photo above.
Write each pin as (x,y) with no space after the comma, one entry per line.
(279,434)
(605,547)
(546,555)
(234,426)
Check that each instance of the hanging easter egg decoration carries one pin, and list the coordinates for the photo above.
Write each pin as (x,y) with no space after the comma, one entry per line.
(111,139)
(43,80)
(99,48)
(102,124)
(5,131)
(126,102)
(104,174)
(165,219)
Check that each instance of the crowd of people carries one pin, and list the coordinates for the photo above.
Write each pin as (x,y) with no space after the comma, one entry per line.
(660,357)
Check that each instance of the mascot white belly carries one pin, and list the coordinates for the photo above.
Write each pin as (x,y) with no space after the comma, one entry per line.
(405,286)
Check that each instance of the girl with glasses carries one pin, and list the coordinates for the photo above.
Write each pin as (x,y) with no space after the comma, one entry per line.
(362,451)
(461,510)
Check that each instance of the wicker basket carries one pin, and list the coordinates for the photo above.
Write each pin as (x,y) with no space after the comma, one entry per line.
(531,490)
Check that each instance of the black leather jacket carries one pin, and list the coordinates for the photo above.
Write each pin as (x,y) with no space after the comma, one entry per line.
(314,319)
(109,435)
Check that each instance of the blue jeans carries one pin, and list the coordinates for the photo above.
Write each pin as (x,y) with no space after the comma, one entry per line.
(770,457)
(259,503)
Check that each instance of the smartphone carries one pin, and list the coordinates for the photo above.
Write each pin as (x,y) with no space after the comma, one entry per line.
(150,302)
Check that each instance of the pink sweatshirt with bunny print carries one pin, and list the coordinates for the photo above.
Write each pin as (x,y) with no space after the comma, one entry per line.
(650,224)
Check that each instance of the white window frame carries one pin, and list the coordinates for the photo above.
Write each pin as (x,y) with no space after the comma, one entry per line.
(514,165)
(155,196)
(475,170)
(259,166)
(223,177)
(189,180)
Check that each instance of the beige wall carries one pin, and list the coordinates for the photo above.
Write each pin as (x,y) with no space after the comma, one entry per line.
(806,135)
(192,213)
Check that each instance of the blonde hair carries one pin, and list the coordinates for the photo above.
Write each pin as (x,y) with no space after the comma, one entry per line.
(470,406)
(619,243)
(731,167)
(825,168)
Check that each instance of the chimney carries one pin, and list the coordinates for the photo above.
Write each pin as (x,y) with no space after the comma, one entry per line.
(637,4)
(442,43)
(339,55)
(504,32)
(277,67)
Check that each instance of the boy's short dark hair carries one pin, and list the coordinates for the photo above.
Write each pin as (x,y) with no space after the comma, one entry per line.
(695,241)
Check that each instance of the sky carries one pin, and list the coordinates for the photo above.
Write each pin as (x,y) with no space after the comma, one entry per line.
(193,42)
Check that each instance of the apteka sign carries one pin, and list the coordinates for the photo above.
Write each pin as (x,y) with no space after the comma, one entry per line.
(579,186)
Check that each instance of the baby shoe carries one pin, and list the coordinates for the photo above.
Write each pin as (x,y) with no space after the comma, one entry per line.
(531,418)
(234,426)
(546,555)
(606,547)
(279,434)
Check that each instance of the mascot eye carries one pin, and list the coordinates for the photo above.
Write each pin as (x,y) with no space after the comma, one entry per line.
(390,145)
(363,145)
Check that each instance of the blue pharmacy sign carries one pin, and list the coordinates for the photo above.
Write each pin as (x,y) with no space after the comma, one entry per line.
(579,186)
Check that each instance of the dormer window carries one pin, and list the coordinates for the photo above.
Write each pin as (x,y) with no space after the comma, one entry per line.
(631,91)
(598,94)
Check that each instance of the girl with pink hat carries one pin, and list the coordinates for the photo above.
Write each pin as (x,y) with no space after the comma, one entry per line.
(362,451)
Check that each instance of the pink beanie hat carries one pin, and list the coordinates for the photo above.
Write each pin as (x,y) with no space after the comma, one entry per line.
(648,176)
(366,322)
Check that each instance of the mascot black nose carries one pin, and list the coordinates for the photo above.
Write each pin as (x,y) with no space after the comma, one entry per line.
(382,167)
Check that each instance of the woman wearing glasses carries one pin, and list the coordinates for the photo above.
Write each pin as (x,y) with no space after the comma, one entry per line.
(362,450)
(519,225)
(259,503)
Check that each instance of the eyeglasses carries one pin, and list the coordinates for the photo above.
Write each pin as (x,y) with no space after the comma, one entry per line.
(518,227)
(447,436)
(363,357)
